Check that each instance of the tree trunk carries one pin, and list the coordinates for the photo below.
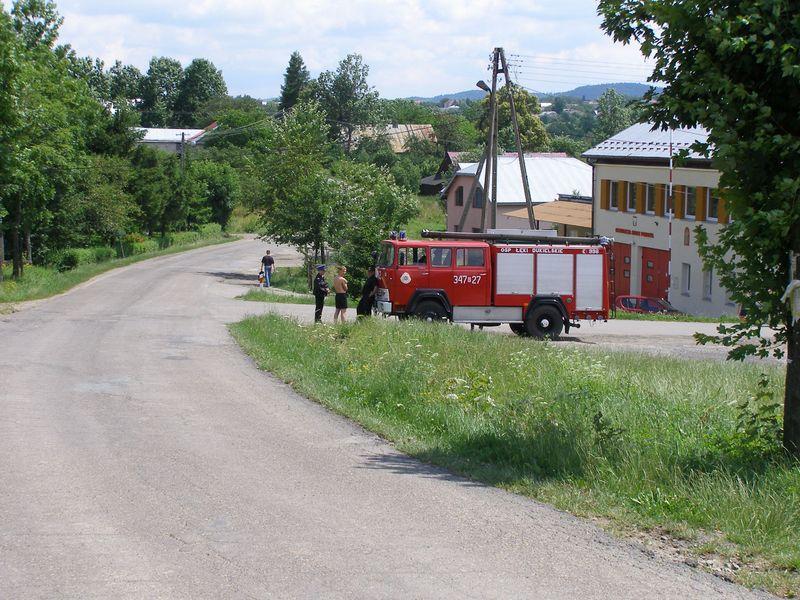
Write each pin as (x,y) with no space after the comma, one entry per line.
(2,254)
(28,248)
(791,405)
(16,246)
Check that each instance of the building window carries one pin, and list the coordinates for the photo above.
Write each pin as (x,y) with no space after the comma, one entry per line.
(686,279)
(478,201)
(712,204)
(626,274)
(650,199)
(687,237)
(460,196)
(613,197)
(708,281)
(691,202)
(630,203)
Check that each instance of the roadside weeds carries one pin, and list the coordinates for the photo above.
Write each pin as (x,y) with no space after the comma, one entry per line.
(652,446)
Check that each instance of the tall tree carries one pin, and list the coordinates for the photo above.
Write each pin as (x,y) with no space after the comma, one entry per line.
(294,80)
(347,98)
(733,67)
(614,114)
(160,91)
(297,186)
(37,22)
(201,82)
(531,130)
(9,116)
(125,82)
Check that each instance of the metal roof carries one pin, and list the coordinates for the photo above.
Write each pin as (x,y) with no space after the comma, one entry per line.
(549,175)
(161,134)
(641,141)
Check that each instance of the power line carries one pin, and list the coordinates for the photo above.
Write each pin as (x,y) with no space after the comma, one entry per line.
(573,60)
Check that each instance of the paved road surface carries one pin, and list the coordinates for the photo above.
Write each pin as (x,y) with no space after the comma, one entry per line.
(142,455)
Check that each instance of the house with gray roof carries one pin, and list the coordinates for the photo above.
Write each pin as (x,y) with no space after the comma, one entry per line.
(651,205)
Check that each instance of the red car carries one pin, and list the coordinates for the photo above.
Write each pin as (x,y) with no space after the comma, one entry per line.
(644,304)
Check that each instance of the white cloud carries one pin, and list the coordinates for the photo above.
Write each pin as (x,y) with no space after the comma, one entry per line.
(414,47)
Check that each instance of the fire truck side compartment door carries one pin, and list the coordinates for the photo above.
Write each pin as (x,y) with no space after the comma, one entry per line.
(554,274)
(589,282)
(515,274)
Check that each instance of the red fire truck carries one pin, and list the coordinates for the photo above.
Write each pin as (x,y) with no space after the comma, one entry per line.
(539,285)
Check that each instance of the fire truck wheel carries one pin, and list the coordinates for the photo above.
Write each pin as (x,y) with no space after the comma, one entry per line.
(431,311)
(518,328)
(544,322)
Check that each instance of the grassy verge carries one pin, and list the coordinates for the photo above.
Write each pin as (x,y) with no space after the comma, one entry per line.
(626,316)
(649,444)
(42,282)
(265,295)
(431,216)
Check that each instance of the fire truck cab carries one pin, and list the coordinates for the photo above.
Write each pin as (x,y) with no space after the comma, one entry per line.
(539,289)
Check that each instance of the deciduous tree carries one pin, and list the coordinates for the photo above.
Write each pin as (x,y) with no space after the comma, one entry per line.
(733,67)
(160,91)
(531,130)
(347,98)
(201,82)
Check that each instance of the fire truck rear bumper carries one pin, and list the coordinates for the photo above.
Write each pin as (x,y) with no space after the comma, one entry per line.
(384,307)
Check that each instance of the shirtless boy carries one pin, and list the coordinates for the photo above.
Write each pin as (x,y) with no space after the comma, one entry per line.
(340,287)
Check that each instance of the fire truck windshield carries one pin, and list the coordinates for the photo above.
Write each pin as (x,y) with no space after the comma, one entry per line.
(387,256)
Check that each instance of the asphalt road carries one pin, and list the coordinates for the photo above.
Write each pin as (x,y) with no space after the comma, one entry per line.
(142,455)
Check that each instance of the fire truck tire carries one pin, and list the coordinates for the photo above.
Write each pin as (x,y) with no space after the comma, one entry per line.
(518,328)
(544,322)
(431,311)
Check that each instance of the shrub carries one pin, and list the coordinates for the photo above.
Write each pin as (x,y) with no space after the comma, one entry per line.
(210,230)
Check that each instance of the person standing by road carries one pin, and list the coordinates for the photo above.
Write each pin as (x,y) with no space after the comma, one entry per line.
(268,265)
(364,308)
(320,292)
(340,287)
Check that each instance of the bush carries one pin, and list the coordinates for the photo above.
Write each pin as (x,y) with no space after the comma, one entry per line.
(141,247)
(103,253)
(210,230)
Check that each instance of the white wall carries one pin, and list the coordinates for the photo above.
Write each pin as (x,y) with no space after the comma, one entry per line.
(607,222)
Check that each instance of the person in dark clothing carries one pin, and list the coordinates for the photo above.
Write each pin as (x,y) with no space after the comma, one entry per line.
(364,308)
(320,291)
(268,266)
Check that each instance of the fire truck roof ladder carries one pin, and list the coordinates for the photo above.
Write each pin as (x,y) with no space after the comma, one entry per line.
(515,238)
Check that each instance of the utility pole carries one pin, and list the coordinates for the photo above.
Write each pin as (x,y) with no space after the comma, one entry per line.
(499,65)
(495,71)
(183,152)
(522,168)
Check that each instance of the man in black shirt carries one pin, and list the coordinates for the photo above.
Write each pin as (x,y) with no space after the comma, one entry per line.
(364,308)
(320,291)
(268,264)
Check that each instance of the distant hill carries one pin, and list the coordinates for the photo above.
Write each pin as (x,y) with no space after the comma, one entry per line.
(587,92)
(465,95)
(593,92)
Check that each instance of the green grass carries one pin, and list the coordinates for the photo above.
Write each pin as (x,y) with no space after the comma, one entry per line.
(265,295)
(292,279)
(644,442)
(431,216)
(626,316)
(43,282)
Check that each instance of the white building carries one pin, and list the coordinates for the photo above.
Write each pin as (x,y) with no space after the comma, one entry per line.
(655,246)
(170,140)
(551,177)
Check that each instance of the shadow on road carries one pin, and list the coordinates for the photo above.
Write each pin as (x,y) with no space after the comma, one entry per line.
(230,277)
(406,465)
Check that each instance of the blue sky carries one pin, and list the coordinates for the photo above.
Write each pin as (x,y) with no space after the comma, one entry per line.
(413,47)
